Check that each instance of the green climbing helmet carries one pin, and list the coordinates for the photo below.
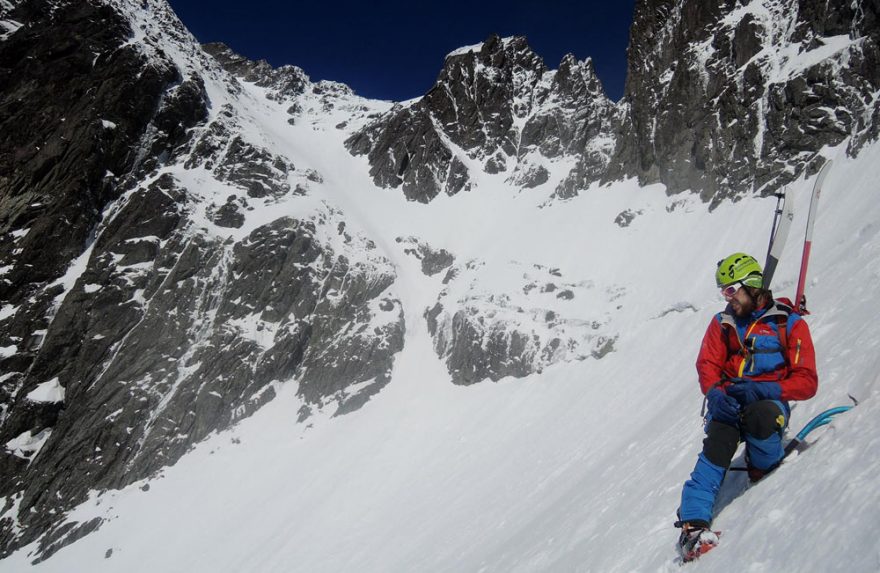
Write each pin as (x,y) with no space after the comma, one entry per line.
(739,268)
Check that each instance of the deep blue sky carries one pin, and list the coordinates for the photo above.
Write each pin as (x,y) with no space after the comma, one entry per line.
(394,50)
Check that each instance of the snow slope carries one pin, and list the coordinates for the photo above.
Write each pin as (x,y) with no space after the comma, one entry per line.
(576,468)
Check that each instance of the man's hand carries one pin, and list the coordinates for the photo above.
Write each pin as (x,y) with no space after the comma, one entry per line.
(722,408)
(747,392)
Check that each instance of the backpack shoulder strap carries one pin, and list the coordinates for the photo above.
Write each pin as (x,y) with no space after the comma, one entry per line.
(728,329)
(780,316)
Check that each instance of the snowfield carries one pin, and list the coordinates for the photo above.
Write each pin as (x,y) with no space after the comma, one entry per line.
(578,467)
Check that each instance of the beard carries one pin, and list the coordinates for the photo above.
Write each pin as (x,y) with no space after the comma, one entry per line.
(742,309)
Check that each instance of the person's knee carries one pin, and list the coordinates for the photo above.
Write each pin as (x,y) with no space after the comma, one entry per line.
(720,443)
(763,419)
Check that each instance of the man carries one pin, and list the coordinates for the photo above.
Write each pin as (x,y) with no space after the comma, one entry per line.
(756,356)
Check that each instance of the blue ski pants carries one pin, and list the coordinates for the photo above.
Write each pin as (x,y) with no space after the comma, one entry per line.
(761,426)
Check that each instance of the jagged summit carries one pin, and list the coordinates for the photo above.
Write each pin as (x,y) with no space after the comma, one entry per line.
(720,99)
(286,81)
(493,106)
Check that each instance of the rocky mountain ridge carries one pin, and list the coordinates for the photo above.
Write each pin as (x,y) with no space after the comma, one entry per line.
(721,100)
(495,109)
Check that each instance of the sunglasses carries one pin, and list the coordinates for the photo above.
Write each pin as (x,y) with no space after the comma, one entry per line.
(730,290)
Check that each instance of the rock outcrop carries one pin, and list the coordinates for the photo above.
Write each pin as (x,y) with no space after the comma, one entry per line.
(721,99)
(495,109)
(143,304)
(729,98)
(520,330)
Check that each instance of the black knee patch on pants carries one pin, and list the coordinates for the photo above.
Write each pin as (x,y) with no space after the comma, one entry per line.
(762,419)
(720,443)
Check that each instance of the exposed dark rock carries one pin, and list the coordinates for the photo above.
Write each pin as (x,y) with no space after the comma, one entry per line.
(501,352)
(233,159)
(169,327)
(410,153)
(604,347)
(488,337)
(431,315)
(472,114)
(706,108)
(433,260)
(574,119)
(229,215)
(190,336)
(65,535)
(624,218)
(533,176)
(255,170)
(284,82)
(168,333)
(76,115)
(288,84)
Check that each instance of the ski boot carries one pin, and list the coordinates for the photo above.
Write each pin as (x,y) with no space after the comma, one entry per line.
(695,540)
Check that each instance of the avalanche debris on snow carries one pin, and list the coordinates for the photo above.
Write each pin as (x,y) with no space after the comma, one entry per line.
(485,330)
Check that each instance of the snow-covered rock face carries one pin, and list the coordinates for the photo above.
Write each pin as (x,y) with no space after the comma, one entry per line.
(516,320)
(721,99)
(729,97)
(164,267)
(495,109)
(287,81)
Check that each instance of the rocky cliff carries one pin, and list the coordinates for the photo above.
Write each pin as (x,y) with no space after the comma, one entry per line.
(495,109)
(732,97)
(153,289)
(721,99)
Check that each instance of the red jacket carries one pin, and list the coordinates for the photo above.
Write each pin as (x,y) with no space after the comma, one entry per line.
(752,349)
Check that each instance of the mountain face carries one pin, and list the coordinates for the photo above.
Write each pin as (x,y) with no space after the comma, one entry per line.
(721,99)
(142,311)
(495,109)
(84,117)
(729,97)
(171,255)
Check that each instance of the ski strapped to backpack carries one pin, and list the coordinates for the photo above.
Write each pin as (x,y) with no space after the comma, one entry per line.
(799,299)
(782,219)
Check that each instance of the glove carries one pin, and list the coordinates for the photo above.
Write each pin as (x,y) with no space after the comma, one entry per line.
(722,408)
(747,392)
